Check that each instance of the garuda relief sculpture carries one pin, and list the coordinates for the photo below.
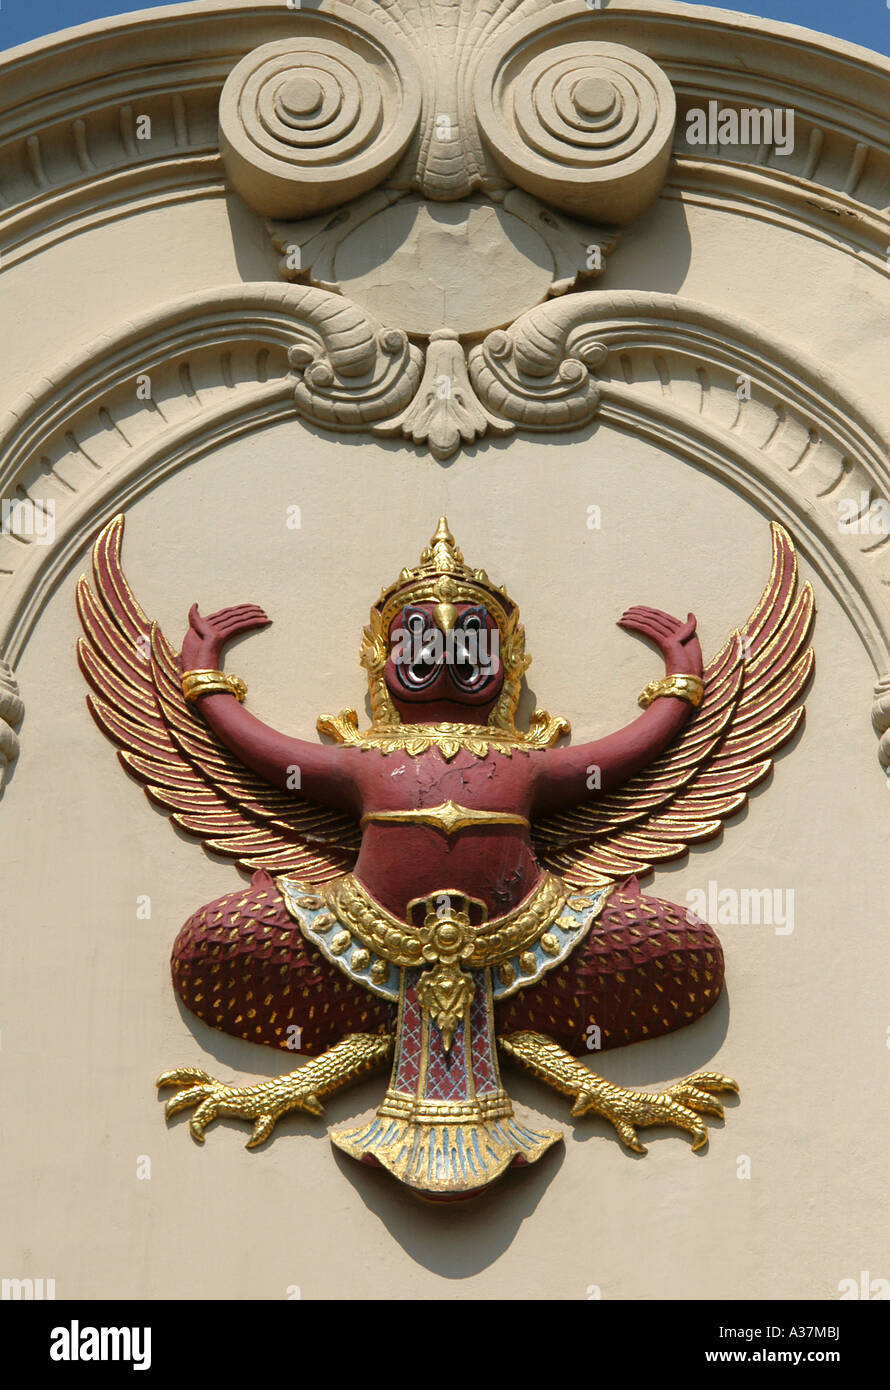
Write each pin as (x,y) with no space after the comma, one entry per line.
(444,888)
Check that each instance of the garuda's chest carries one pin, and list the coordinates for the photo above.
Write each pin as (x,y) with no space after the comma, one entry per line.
(449,794)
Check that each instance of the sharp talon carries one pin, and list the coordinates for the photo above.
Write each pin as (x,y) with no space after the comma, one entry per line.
(173,1107)
(628,1136)
(205,1114)
(698,1100)
(711,1081)
(181,1076)
(261,1131)
(184,1100)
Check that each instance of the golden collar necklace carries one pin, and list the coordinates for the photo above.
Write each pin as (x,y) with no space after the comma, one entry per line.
(413,739)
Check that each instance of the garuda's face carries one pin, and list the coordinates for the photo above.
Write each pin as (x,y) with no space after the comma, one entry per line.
(444,662)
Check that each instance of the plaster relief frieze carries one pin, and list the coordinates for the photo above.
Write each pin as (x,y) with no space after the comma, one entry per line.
(164,390)
(516,134)
(512,143)
(71,156)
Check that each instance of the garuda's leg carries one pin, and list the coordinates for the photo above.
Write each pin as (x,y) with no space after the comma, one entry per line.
(680,1104)
(644,969)
(242,965)
(265,1102)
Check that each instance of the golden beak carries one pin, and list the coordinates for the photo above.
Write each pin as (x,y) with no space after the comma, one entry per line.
(445,616)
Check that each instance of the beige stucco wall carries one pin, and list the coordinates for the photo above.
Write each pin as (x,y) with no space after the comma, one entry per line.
(87,1013)
(90,1015)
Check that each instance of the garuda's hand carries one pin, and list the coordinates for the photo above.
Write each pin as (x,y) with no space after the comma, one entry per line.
(675,639)
(207,637)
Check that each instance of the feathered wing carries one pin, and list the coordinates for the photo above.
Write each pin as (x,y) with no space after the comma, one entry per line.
(164,743)
(749,709)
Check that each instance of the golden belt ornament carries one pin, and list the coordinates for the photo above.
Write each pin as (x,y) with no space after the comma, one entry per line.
(444,938)
(448,816)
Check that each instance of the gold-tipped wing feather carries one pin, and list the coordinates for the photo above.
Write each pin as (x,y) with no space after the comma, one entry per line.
(138,702)
(750,708)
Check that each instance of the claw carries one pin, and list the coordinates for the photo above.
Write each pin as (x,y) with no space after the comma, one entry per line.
(214,1098)
(681,1104)
(264,1103)
(628,1136)
(205,1113)
(678,1114)
(261,1131)
(184,1099)
(697,1100)
(711,1081)
(182,1076)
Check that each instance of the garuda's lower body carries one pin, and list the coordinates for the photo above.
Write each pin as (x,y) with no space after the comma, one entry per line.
(327,971)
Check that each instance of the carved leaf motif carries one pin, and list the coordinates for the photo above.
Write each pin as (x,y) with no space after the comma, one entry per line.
(445,412)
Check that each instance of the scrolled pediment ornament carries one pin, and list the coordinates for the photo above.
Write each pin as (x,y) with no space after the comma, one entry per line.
(308,122)
(394,152)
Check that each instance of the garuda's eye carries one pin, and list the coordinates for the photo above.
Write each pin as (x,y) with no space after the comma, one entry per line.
(416,658)
(472,662)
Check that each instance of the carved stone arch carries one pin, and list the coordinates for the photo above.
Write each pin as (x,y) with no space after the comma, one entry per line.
(669,368)
(215,367)
(661,367)
(72,161)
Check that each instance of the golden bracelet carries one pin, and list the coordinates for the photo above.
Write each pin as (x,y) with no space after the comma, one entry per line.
(690,688)
(197,683)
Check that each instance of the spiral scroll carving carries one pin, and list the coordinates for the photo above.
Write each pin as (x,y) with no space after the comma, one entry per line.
(585,126)
(310,122)
(539,372)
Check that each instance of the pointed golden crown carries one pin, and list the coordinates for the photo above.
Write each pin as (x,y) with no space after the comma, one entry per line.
(443,576)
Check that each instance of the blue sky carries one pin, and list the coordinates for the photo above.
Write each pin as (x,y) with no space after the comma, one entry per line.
(861,21)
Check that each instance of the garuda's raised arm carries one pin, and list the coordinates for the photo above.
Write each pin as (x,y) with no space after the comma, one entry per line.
(614,759)
(650,808)
(280,760)
(184,760)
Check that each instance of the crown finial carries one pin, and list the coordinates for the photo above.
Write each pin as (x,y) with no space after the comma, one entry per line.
(442,553)
(442,533)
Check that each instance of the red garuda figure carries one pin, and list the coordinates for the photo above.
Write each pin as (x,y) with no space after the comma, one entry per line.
(445,886)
